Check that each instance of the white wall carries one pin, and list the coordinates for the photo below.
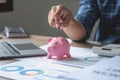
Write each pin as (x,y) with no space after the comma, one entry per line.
(32,15)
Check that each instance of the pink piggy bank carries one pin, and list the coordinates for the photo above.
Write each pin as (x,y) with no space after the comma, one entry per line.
(58,47)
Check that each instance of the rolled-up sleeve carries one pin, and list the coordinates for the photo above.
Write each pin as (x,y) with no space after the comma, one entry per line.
(87,14)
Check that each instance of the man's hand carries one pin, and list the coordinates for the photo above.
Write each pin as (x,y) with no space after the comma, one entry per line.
(59,17)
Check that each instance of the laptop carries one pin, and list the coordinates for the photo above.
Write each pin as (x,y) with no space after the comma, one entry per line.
(17,49)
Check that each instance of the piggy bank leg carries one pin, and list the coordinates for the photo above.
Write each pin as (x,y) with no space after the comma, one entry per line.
(68,55)
(60,57)
(49,56)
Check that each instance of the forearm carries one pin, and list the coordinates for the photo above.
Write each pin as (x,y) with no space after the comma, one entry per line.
(75,30)
(61,18)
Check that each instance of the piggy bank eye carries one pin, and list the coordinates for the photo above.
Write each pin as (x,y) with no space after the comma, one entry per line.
(56,43)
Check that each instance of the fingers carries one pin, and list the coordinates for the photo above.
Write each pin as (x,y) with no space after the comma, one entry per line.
(51,20)
(54,16)
(59,17)
(67,18)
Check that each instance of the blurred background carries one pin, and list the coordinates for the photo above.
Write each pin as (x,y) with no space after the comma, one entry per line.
(32,15)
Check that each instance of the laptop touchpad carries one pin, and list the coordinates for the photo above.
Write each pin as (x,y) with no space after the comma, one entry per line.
(25,46)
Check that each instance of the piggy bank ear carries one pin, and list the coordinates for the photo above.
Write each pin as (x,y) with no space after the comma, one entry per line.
(49,39)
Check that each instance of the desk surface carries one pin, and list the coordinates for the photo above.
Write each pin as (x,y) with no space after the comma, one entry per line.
(39,41)
(42,40)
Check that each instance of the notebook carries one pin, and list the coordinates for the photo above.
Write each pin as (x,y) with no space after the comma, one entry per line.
(20,48)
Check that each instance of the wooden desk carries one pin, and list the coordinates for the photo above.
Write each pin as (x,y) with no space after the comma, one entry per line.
(37,40)
(42,40)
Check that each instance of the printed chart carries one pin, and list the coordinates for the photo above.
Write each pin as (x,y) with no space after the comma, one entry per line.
(37,70)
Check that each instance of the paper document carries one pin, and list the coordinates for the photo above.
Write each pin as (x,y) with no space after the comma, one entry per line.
(81,57)
(35,70)
(106,69)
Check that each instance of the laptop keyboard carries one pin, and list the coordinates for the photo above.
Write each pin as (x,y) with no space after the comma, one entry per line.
(7,49)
